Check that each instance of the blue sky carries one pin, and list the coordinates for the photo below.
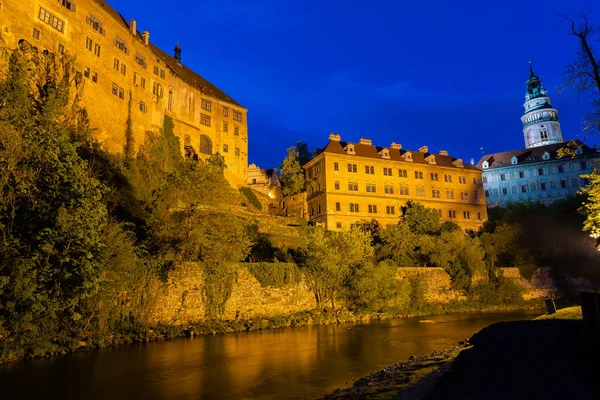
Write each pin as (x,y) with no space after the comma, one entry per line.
(450,75)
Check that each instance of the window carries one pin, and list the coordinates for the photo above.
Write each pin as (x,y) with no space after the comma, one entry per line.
(338,207)
(336,185)
(236,131)
(448,178)
(390,210)
(486,193)
(336,166)
(68,5)
(353,207)
(467,214)
(574,182)
(371,188)
(404,190)
(225,112)
(57,24)
(89,44)
(158,90)
(434,176)
(420,191)
(121,45)
(312,211)
(582,165)
(439,212)
(61,48)
(402,173)
(435,193)
(338,225)
(388,189)
(372,208)
(205,145)
(143,107)
(465,195)
(95,23)
(521,174)
(543,186)
(170,101)
(204,119)
(451,214)
(95,77)
(162,73)
(484,179)
(418,175)
(387,172)
(140,59)
(123,69)
(478,216)
(191,104)
(352,168)
(86,72)
(561,169)
(369,169)
(36,33)
(225,148)
(504,191)
(318,209)
(155,70)
(237,116)
(449,194)
(463,180)
(225,127)
(502,177)
(563,184)
(540,171)
(143,82)
(206,105)
(115,89)
(353,186)
(116,64)
(523,188)
(121,93)
(45,16)
(97,49)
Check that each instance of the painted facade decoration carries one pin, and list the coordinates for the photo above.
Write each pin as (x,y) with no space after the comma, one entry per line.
(537,172)
(351,182)
(125,76)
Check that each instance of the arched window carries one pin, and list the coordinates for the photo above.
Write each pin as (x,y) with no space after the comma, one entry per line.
(170,102)
(205,145)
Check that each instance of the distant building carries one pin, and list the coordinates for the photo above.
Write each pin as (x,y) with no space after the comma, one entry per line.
(349,182)
(124,77)
(265,181)
(536,173)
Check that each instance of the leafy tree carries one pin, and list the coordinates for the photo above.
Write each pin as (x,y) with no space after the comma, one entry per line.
(398,245)
(291,171)
(420,219)
(374,288)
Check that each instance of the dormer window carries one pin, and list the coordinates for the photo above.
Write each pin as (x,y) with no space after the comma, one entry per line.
(514,160)
(546,155)
(459,163)
(485,165)
(430,159)
(579,151)
(532,158)
(350,149)
(385,153)
(407,156)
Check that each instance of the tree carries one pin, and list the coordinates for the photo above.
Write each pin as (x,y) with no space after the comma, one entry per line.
(291,171)
(420,219)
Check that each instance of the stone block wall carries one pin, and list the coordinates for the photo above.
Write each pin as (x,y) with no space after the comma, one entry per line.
(438,286)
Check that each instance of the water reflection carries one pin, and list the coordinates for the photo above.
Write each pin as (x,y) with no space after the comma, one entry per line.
(284,363)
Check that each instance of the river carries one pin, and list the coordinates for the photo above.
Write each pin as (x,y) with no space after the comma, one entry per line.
(288,363)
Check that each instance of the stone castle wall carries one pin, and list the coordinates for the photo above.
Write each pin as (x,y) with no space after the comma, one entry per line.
(438,286)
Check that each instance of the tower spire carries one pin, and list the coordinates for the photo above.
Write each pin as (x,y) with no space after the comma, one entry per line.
(531,74)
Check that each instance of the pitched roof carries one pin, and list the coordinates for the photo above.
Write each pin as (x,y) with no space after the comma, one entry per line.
(530,156)
(184,73)
(370,151)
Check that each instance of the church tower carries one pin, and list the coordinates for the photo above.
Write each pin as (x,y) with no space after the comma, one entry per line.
(540,120)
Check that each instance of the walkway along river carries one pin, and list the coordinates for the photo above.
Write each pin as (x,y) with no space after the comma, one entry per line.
(292,363)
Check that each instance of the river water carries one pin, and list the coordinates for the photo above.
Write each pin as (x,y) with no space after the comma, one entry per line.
(288,363)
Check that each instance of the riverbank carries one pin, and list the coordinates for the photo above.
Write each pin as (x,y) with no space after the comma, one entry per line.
(142,333)
(552,357)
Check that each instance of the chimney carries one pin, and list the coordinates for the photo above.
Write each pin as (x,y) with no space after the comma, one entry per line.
(396,146)
(424,149)
(443,152)
(362,140)
(146,36)
(335,137)
(177,53)
(133,26)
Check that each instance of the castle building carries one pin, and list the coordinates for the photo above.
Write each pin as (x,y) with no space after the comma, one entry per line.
(538,172)
(265,181)
(350,182)
(127,78)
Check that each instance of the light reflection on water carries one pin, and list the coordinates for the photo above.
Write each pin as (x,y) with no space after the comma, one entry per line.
(293,363)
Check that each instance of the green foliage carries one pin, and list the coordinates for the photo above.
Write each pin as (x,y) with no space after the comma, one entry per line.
(291,171)
(374,288)
(251,197)
(420,220)
(275,274)
(217,288)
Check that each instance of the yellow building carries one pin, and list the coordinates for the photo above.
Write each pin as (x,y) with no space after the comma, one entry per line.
(348,182)
(125,76)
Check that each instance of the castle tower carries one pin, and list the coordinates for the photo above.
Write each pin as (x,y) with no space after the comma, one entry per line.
(540,120)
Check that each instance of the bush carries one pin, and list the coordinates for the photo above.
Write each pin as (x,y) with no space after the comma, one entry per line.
(275,274)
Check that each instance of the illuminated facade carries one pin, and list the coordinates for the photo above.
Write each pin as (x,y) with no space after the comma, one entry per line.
(537,172)
(125,76)
(348,182)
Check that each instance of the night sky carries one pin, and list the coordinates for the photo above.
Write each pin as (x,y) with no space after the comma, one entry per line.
(450,75)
